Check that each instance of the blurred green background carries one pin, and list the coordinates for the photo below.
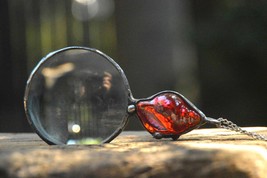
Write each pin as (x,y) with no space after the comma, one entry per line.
(213,52)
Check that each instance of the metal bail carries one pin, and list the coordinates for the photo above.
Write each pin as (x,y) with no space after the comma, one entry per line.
(212,121)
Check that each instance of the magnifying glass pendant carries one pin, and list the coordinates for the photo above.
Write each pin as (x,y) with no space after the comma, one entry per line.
(79,95)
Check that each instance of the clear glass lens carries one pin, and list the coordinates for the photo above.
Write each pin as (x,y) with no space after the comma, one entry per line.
(77,96)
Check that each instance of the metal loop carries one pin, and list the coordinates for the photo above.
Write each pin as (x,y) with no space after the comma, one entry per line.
(226,124)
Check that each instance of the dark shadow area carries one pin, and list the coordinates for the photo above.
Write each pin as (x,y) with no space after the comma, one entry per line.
(213,52)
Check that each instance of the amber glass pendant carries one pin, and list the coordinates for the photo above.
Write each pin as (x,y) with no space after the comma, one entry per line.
(79,95)
(168,114)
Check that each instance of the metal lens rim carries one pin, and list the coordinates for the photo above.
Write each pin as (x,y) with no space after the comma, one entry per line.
(48,57)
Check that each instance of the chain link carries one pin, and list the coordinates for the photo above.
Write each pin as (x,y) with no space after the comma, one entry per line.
(226,124)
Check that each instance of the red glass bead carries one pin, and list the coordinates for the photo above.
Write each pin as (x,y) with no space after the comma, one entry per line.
(167,115)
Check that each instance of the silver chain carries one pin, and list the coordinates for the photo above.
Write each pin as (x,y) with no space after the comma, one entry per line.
(226,124)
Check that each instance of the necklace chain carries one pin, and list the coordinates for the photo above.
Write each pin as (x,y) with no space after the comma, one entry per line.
(226,124)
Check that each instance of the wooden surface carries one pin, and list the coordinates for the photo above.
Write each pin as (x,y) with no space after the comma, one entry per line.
(201,153)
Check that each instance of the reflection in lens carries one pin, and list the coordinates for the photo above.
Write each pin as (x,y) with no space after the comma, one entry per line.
(52,74)
(74,128)
(77,96)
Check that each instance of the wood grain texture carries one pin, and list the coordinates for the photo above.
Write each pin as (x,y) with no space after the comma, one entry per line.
(200,153)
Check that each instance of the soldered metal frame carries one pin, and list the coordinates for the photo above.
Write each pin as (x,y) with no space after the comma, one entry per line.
(130,108)
(158,135)
(27,103)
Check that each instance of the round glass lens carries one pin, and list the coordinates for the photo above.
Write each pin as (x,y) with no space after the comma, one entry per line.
(77,96)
